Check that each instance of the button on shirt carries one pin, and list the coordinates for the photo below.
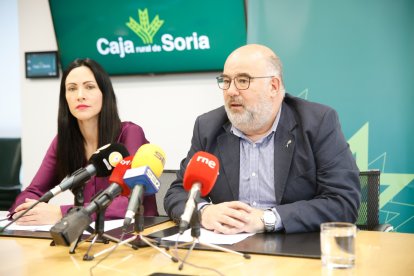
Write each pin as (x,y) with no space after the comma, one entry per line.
(257,183)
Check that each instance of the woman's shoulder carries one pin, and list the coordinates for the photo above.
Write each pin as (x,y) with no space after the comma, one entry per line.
(128,124)
(132,136)
(53,145)
(130,128)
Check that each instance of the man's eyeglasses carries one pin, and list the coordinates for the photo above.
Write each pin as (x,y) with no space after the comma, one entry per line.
(241,82)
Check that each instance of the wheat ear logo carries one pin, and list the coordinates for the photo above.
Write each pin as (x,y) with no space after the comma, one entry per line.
(144,29)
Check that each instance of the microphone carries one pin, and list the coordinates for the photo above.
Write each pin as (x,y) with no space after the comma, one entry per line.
(101,164)
(199,178)
(69,228)
(142,178)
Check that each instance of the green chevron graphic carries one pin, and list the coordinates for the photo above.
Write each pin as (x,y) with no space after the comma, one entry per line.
(399,214)
(144,29)
(394,182)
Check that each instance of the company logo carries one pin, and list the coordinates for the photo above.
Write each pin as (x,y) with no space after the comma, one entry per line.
(146,32)
(114,158)
(144,29)
(206,161)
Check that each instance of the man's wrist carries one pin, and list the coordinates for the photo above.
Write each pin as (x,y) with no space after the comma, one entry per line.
(203,208)
(269,220)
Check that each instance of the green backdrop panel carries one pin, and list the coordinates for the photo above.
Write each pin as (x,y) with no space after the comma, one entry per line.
(358,57)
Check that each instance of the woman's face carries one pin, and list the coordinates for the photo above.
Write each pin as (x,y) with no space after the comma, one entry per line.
(83,94)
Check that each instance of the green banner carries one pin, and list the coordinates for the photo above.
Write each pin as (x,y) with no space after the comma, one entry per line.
(357,57)
(142,36)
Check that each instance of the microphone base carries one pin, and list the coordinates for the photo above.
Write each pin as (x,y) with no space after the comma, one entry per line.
(142,242)
(150,242)
(213,246)
(182,227)
(106,239)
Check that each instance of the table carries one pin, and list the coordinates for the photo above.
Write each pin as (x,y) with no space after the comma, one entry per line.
(377,253)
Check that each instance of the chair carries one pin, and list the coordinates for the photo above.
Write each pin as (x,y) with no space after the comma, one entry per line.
(368,213)
(166,178)
(11,160)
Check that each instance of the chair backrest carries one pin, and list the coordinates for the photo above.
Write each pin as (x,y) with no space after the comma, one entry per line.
(11,160)
(368,213)
(166,178)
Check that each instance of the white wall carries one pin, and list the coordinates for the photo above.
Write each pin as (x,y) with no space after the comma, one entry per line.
(10,111)
(166,106)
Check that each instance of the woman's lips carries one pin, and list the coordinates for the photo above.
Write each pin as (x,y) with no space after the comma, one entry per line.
(82,106)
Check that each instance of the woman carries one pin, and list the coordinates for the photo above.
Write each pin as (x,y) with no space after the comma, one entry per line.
(87,119)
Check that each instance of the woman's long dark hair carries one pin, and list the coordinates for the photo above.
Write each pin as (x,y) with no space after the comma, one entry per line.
(71,147)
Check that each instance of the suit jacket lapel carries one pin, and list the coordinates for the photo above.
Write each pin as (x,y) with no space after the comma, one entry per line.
(229,149)
(283,150)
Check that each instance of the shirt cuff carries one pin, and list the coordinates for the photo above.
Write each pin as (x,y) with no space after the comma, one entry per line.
(202,205)
(279,224)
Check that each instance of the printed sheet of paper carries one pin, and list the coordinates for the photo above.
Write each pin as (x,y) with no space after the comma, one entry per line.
(208,236)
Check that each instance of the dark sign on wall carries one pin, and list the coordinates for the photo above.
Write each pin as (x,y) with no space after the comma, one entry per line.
(140,37)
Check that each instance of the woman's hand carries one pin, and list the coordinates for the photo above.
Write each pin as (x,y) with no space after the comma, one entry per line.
(41,214)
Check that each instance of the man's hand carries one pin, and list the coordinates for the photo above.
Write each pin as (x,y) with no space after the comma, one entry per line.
(231,218)
(41,214)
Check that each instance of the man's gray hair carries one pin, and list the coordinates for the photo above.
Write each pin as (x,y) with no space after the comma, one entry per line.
(275,69)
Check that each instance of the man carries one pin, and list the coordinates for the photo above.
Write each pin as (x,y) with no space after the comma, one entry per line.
(284,162)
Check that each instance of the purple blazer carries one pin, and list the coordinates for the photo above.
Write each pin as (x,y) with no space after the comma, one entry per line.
(132,137)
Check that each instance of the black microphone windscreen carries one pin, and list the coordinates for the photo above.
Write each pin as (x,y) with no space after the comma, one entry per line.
(107,157)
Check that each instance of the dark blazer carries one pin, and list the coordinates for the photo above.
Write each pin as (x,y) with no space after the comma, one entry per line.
(316,177)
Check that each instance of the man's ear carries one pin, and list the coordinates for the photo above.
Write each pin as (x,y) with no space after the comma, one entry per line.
(275,82)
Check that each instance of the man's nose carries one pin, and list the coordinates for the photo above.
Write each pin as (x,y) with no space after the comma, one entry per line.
(232,90)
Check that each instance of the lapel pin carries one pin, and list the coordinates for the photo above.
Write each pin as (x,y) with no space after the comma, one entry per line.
(288,143)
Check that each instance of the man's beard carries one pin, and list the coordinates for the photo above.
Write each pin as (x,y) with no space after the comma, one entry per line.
(251,119)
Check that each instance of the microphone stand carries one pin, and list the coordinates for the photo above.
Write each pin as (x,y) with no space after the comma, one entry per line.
(78,203)
(195,224)
(139,227)
(98,232)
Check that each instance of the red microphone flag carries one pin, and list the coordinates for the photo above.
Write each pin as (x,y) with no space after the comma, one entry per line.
(203,168)
(118,173)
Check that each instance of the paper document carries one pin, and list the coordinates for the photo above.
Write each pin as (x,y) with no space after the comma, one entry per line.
(109,225)
(208,236)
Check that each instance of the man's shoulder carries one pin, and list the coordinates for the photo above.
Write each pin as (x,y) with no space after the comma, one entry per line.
(216,116)
(213,122)
(304,105)
(218,112)
(305,109)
